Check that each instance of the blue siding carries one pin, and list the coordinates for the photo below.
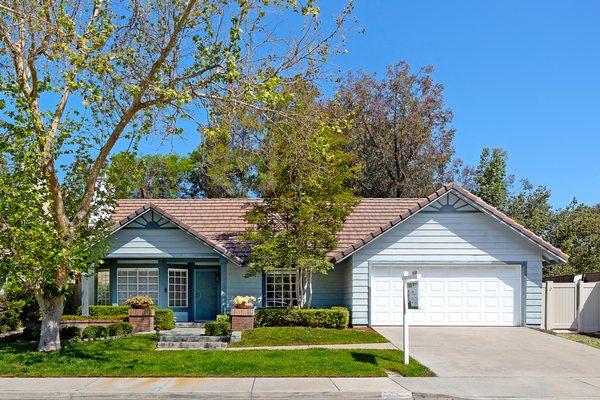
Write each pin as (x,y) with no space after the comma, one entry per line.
(156,243)
(239,285)
(330,290)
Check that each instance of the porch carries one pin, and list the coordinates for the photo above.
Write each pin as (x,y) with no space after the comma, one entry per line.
(195,289)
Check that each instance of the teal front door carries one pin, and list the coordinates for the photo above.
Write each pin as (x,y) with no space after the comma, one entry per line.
(206,294)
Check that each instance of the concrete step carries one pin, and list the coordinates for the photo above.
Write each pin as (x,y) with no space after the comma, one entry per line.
(192,345)
(189,325)
(192,338)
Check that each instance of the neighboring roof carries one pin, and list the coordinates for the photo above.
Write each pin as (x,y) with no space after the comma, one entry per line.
(219,222)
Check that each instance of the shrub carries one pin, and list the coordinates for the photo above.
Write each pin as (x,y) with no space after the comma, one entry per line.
(106,311)
(94,332)
(335,317)
(10,314)
(90,317)
(220,327)
(164,319)
(31,332)
(119,329)
(15,291)
(222,318)
(70,332)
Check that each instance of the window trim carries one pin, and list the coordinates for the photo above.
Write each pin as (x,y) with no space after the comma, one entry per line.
(187,283)
(153,268)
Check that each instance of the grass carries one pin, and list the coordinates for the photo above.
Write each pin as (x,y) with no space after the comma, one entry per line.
(589,339)
(289,336)
(585,339)
(135,356)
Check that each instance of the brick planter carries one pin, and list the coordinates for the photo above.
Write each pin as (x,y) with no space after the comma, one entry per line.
(242,318)
(141,319)
(84,323)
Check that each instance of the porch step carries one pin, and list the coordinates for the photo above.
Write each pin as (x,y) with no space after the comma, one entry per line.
(193,338)
(191,345)
(189,325)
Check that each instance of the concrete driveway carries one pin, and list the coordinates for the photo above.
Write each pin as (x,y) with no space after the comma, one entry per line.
(500,362)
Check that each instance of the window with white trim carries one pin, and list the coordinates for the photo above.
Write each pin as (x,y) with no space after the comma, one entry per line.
(281,288)
(103,287)
(178,287)
(137,281)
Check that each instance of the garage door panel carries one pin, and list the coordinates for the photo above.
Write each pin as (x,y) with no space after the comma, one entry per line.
(455,302)
(450,295)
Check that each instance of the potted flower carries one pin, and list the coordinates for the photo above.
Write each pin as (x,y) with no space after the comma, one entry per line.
(139,301)
(244,301)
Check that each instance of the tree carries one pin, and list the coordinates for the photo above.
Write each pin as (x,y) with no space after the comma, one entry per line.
(78,76)
(225,164)
(149,176)
(492,183)
(576,230)
(401,133)
(305,178)
(526,204)
(530,207)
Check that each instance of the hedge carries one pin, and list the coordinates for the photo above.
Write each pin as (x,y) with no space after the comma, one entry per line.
(220,327)
(92,317)
(334,317)
(119,329)
(70,332)
(164,319)
(106,311)
(94,332)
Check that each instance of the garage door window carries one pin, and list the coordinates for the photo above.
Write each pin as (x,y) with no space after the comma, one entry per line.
(281,288)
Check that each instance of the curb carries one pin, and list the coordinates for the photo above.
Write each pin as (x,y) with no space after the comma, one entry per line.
(206,395)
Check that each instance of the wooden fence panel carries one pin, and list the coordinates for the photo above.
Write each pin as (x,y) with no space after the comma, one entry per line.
(571,306)
(589,307)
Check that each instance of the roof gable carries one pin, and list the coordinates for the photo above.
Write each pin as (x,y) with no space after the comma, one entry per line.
(458,198)
(161,218)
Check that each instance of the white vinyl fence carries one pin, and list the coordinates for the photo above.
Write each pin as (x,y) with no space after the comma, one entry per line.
(571,306)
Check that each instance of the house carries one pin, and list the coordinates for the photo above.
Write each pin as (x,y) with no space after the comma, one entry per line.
(478,266)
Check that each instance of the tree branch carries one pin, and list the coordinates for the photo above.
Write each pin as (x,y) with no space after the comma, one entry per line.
(136,105)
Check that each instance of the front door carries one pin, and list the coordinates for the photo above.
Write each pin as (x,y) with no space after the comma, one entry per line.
(206,294)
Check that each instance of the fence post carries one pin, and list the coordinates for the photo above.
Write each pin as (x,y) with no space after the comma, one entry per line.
(543,320)
(548,305)
(579,304)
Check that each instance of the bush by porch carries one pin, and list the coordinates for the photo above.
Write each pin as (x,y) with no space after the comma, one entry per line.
(334,317)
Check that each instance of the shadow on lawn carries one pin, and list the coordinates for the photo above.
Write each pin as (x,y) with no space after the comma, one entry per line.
(364,358)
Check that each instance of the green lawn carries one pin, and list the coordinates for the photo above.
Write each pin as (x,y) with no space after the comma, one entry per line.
(288,336)
(135,356)
(589,340)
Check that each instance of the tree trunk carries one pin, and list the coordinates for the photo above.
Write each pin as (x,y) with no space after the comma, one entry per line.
(52,309)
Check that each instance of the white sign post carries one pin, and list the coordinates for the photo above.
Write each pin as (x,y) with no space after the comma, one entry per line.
(409,301)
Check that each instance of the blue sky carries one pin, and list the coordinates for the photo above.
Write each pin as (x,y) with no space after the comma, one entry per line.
(522,75)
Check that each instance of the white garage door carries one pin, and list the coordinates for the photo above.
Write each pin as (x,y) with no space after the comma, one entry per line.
(449,295)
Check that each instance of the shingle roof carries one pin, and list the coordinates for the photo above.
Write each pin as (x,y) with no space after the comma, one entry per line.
(218,222)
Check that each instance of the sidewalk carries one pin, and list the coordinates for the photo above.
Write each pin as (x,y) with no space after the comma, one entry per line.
(358,346)
(505,387)
(201,388)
